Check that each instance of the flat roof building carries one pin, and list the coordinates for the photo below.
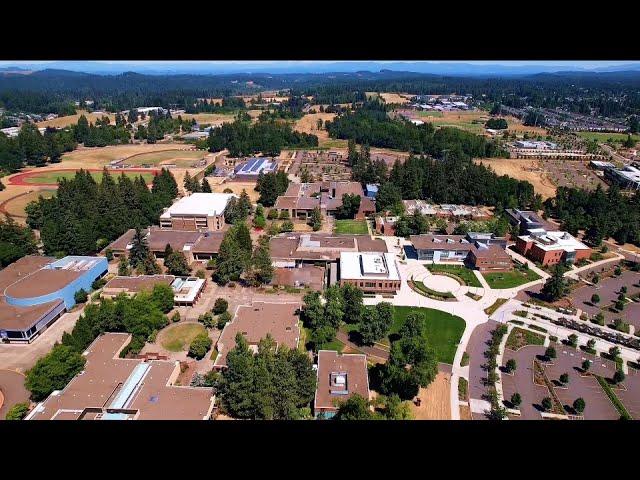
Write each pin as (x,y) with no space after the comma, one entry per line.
(550,248)
(113,388)
(254,167)
(35,291)
(528,220)
(186,290)
(198,211)
(372,272)
(627,177)
(340,376)
(302,276)
(254,322)
(291,249)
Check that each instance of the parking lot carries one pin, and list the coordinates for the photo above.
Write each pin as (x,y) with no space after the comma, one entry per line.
(569,360)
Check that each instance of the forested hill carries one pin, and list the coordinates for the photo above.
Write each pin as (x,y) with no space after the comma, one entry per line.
(127,90)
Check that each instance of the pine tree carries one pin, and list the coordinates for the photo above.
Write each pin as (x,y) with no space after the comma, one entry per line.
(205,188)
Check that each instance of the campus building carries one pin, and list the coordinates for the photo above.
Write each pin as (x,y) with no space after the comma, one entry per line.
(113,388)
(550,248)
(254,322)
(197,246)
(198,211)
(35,291)
(372,272)
(302,276)
(340,376)
(627,177)
(482,251)
(528,220)
(301,198)
(187,291)
(253,167)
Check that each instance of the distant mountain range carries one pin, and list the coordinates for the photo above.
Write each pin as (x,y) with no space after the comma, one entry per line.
(281,67)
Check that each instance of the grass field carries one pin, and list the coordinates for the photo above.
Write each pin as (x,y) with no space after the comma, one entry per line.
(176,338)
(463,273)
(16,206)
(500,280)
(354,227)
(210,118)
(604,137)
(52,177)
(471,121)
(179,157)
(430,113)
(443,330)
(97,157)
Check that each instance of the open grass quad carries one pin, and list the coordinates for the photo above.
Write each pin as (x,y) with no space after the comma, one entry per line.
(603,137)
(457,271)
(514,278)
(178,337)
(353,227)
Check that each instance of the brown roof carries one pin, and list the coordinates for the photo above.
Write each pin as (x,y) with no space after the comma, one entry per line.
(325,246)
(493,252)
(357,378)
(440,242)
(42,282)
(158,239)
(257,320)
(209,242)
(137,284)
(14,317)
(120,243)
(306,276)
(103,379)
(21,268)
(299,196)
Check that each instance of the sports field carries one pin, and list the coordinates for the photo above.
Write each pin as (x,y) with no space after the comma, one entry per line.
(181,158)
(51,177)
(15,206)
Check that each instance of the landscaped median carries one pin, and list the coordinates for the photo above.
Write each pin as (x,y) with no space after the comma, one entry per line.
(422,289)
(463,275)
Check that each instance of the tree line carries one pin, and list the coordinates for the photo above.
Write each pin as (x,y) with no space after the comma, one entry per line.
(269,137)
(601,214)
(84,216)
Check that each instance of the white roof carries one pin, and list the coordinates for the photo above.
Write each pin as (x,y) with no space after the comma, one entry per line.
(368,265)
(209,204)
(554,241)
(186,290)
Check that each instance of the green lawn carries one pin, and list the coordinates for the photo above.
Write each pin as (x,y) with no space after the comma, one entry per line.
(603,137)
(178,337)
(53,176)
(520,337)
(430,113)
(496,305)
(464,274)
(443,330)
(353,227)
(500,280)
(422,288)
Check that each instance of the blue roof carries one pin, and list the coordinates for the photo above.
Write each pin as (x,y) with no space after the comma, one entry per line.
(125,393)
(372,187)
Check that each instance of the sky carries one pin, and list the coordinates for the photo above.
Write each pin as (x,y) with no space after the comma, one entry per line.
(306,66)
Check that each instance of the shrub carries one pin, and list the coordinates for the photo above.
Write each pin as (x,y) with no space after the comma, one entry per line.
(206,319)
(81,296)
(618,377)
(98,283)
(516,399)
(511,365)
(201,274)
(287,226)
(227,190)
(175,317)
(223,319)
(18,411)
(273,214)
(564,378)
(259,222)
(579,405)
(109,254)
(550,353)
(221,305)
(547,404)
(284,214)
(200,346)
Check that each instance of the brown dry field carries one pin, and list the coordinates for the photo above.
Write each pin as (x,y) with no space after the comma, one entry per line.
(465,412)
(308,124)
(400,98)
(97,157)
(236,187)
(436,404)
(62,122)
(515,125)
(210,118)
(15,207)
(516,168)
